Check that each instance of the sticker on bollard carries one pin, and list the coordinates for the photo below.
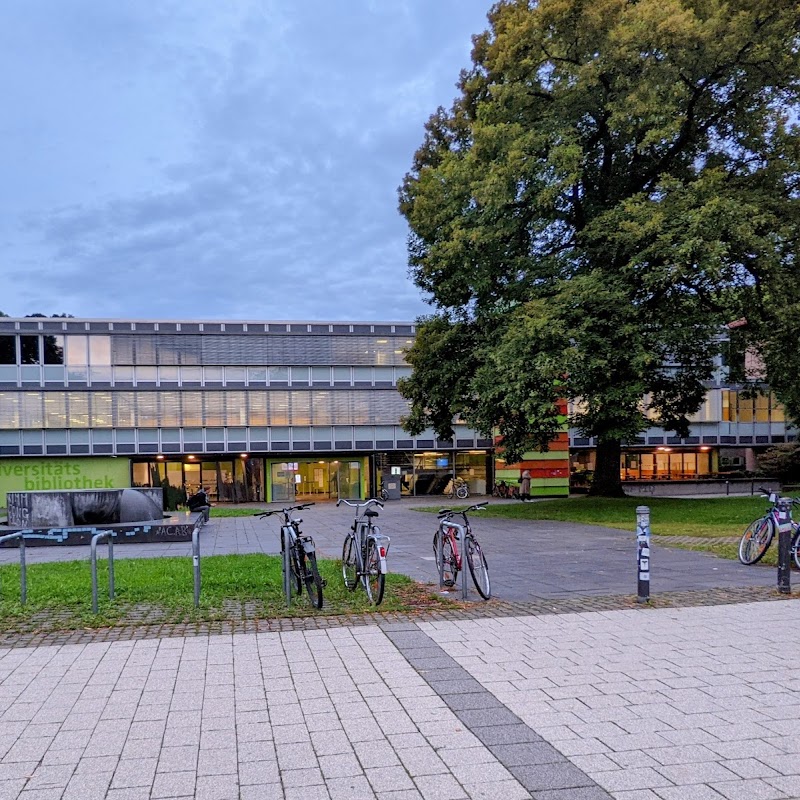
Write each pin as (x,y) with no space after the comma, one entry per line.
(643,553)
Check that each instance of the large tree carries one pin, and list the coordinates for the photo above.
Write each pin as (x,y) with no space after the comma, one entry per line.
(615,181)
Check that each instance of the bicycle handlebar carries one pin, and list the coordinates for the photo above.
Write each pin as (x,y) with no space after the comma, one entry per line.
(444,513)
(359,505)
(284,511)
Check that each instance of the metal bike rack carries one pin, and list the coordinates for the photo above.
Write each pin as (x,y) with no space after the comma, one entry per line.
(287,566)
(23,578)
(201,520)
(95,539)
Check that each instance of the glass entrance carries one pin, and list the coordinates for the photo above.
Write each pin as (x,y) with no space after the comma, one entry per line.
(324,479)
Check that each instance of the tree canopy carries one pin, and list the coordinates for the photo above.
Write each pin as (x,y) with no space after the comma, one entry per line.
(615,181)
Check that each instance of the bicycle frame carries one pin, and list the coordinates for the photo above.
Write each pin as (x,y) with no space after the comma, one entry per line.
(366,532)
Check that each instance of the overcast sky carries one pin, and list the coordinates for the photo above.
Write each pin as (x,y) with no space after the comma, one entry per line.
(217,158)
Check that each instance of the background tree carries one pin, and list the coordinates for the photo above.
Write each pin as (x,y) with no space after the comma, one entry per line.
(615,181)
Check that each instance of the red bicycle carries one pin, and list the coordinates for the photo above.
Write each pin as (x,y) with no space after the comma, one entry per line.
(449,560)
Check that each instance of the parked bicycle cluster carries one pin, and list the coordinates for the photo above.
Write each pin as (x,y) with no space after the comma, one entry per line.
(759,534)
(365,550)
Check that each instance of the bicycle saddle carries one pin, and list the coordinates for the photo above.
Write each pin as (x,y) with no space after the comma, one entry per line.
(370,513)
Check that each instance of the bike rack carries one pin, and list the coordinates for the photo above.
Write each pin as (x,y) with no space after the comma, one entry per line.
(95,539)
(287,566)
(201,520)
(23,578)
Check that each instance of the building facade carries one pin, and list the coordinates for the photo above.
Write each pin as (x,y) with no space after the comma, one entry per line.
(255,411)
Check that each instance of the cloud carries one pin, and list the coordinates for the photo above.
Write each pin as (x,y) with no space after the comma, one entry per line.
(252,169)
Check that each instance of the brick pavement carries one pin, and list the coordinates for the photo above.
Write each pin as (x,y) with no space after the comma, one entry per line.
(635,704)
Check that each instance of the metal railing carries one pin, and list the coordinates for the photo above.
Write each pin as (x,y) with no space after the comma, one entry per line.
(95,539)
(199,522)
(23,577)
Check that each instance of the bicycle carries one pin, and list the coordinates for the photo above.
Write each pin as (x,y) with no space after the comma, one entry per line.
(502,489)
(459,488)
(449,561)
(384,493)
(758,535)
(302,555)
(364,552)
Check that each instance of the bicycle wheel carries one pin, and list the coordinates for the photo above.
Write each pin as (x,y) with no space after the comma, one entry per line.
(756,540)
(350,562)
(450,563)
(312,579)
(796,548)
(462,492)
(478,567)
(376,580)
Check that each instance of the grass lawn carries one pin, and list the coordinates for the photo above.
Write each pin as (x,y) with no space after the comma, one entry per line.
(161,590)
(712,519)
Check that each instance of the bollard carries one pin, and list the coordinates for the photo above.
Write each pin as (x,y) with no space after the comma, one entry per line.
(196,562)
(784,506)
(93,559)
(643,552)
(287,566)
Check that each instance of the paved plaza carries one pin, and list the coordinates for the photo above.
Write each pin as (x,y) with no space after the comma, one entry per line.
(690,703)
(646,704)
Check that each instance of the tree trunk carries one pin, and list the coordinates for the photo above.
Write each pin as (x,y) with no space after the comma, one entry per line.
(607,481)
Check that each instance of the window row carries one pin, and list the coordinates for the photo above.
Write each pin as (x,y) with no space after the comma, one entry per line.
(55,349)
(740,406)
(26,410)
(33,374)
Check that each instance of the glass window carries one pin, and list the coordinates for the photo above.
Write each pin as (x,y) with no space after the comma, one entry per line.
(321,374)
(79,437)
(301,408)
(321,434)
(342,375)
(168,374)
(234,374)
(726,405)
(100,374)
(100,351)
(29,350)
(172,435)
(280,434)
(54,374)
(362,374)
(102,436)
(257,376)
(212,374)
(402,372)
(146,374)
(214,408)
(125,437)
(78,409)
(384,374)
(8,374)
(77,350)
(215,434)
(123,374)
(124,411)
(191,374)
(300,375)
(55,410)
(193,435)
(192,408)
(762,408)
(745,408)
(257,407)
(8,349)
(30,373)
(301,434)
(236,407)
(9,410)
(279,375)
(148,436)
(278,408)
(53,349)
(101,410)
(170,409)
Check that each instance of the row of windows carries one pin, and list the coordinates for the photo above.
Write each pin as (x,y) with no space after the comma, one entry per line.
(744,407)
(73,350)
(28,375)
(218,440)
(190,350)
(188,409)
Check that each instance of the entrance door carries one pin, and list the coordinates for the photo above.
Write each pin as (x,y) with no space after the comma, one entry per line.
(283,482)
(347,480)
